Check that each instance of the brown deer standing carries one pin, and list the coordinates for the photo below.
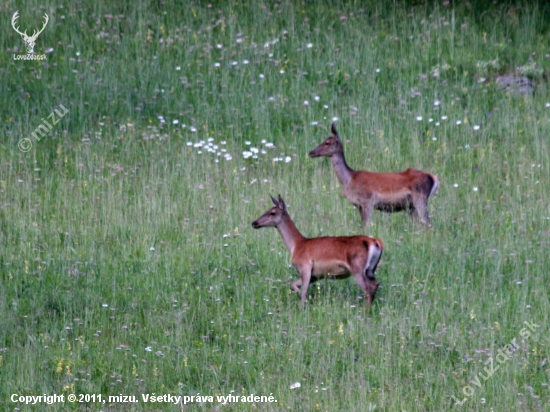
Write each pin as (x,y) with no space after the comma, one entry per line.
(387,192)
(320,257)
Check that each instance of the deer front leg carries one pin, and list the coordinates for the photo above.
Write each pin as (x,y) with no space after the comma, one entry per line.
(366,212)
(295,286)
(305,271)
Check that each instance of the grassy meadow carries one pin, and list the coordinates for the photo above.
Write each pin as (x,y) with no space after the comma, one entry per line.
(128,264)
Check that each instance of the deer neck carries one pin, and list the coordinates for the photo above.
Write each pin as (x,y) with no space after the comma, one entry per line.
(291,236)
(343,171)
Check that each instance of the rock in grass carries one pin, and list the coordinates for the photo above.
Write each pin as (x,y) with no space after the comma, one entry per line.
(515,84)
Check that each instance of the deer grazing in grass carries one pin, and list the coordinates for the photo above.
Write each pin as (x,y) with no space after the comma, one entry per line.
(316,258)
(387,192)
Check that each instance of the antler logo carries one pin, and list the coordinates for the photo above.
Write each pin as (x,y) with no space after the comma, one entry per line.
(29,40)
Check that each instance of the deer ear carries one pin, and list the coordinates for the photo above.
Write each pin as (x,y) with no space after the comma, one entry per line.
(275,202)
(282,202)
(334,131)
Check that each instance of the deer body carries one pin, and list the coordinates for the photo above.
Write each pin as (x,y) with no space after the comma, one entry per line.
(387,192)
(317,258)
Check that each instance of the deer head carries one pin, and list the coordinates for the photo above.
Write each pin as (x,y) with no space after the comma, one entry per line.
(330,146)
(273,216)
(29,40)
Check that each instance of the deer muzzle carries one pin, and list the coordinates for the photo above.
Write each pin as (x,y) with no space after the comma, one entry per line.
(313,153)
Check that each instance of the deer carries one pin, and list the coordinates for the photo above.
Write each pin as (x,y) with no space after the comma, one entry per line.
(29,40)
(325,257)
(388,192)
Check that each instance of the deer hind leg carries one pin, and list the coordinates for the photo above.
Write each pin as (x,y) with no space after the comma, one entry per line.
(422,192)
(367,285)
(372,287)
(358,272)
(362,282)
(419,209)
(371,284)
(375,254)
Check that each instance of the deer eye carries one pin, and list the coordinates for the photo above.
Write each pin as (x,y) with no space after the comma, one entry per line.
(272,213)
(327,143)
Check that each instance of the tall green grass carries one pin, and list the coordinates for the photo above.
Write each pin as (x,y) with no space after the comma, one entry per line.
(128,263)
